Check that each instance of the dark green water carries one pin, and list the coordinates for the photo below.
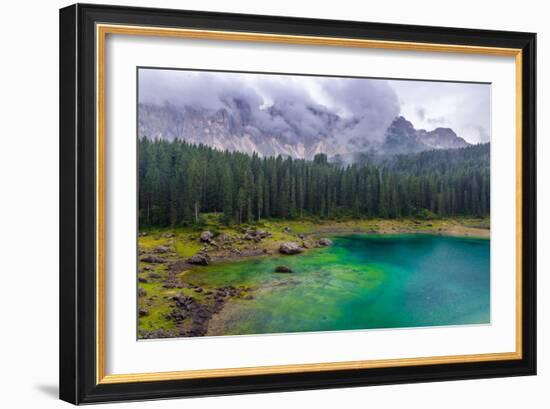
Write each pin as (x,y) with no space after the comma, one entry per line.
(361,282)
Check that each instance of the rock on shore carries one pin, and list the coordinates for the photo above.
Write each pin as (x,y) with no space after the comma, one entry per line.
(199,259)
(153,260)
(206,236)
(324,242)
(256,235)
(162,249)
(290,247)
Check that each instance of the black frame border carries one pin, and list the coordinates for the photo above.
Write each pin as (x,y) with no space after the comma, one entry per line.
(78,198)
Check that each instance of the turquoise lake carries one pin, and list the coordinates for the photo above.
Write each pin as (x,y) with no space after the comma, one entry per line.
(361,282)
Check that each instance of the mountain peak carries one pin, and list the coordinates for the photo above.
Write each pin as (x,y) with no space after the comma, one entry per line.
(441,138)
(402,137)
(401,127)
(402,123)
(277,130)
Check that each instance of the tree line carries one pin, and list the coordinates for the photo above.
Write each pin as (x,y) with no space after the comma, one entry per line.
(179,181)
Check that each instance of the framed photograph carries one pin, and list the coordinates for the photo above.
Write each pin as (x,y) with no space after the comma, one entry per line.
(257,203)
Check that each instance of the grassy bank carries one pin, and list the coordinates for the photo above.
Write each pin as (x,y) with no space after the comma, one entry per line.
(185,240)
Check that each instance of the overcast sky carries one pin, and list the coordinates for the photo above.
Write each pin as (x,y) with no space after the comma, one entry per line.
(374,103)
(466,108)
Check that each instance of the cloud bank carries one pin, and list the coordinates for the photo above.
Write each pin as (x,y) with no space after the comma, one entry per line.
(358,110)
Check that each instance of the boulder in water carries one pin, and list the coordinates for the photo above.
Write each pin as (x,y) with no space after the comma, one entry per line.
(324,242)
(283,269)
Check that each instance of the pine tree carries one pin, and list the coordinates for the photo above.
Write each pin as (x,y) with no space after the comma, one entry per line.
(179,181)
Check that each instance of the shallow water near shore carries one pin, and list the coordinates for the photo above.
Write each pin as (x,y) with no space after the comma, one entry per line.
(360,282)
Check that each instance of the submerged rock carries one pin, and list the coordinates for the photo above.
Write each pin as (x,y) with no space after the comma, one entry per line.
(290,247)
(283,269)
(324,242)
(162,249)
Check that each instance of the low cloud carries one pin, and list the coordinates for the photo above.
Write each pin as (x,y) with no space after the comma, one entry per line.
(356,111)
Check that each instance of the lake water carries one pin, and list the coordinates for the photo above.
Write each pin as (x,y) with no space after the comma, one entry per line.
(361,282)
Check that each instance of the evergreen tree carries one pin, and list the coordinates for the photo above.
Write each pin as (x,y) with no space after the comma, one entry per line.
(179,181)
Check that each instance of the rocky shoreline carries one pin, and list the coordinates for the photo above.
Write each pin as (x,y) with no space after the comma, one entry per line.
(191,313)
(188,308)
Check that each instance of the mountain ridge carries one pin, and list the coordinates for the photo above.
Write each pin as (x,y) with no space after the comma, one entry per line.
(235,128)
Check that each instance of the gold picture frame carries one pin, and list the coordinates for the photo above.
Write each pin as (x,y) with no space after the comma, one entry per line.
(97,19)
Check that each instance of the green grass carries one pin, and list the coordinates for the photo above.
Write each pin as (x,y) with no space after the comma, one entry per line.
(158,307)
(185,246)
(151,241)
(186,239)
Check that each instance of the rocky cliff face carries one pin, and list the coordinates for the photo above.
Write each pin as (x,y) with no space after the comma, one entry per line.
(402,138)
(278,132)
